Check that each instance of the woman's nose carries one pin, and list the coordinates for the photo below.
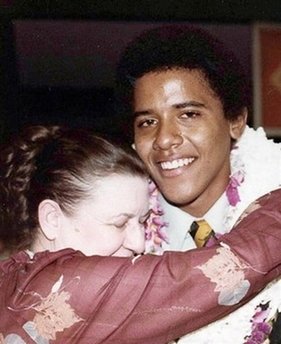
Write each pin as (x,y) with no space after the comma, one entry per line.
(168,135)
(135,238)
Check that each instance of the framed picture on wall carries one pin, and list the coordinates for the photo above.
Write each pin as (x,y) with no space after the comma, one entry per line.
(267,77)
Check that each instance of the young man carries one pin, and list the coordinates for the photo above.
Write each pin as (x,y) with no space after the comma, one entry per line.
(189,98)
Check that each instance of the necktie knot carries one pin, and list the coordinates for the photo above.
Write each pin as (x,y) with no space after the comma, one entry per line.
(201,232)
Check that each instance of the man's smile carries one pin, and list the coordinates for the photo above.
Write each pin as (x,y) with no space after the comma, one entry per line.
(174,164)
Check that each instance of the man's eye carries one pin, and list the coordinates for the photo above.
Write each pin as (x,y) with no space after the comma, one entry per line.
(145,123)
(190,114)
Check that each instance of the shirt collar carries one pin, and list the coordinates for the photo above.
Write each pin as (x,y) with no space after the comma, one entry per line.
(179,223)
(215,215)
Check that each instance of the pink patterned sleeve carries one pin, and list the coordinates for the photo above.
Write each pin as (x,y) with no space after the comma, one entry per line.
(150,299)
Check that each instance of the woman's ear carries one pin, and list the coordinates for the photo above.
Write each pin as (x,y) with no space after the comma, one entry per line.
(238,125)
(50,218)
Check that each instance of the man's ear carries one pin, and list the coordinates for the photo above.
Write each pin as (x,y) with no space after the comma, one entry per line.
(238,125)
(50,218)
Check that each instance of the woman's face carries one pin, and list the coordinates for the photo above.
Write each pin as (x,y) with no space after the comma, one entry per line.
(111,222)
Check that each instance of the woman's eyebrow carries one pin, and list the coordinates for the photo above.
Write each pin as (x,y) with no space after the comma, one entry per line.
(113,217)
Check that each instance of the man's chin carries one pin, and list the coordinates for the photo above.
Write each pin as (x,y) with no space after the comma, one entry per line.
(177,199)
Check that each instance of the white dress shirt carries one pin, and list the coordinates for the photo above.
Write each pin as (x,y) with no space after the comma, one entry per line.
(179,223)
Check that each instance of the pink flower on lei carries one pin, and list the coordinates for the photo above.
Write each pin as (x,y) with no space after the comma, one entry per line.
(261,328)
(232,188)
(155,232)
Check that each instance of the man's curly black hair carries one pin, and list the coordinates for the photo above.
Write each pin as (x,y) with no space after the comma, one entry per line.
(181,46)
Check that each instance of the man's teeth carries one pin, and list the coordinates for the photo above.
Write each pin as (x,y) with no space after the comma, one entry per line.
(169,165)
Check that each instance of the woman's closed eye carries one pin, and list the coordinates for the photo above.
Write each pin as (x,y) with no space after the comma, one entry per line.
(121,225)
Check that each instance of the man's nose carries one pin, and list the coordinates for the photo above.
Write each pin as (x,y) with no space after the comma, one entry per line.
(135,238)
(167,135)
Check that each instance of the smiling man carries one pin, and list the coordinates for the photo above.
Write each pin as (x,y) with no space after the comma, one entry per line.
(177,116)
(187,98)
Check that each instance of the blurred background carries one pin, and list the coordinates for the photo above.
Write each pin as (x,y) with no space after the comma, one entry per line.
(57,58)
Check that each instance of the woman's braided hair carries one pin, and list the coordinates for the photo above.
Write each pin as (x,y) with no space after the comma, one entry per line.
(52,163)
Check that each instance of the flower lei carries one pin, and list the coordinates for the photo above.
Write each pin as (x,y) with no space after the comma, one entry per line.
(255,170)
(236,179)
(261,328)
(155,232)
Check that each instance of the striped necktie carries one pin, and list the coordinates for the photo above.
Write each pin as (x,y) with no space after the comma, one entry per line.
(201,232)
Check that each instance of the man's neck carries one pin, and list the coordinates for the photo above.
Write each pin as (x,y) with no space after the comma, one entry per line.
(200,206)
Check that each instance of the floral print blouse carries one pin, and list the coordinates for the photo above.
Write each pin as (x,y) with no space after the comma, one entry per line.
(66,297)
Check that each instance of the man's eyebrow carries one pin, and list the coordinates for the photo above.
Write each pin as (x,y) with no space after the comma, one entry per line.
(141,113)
(187,104)
(182,105)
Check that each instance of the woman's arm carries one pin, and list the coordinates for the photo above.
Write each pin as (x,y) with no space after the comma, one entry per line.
(150,299)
